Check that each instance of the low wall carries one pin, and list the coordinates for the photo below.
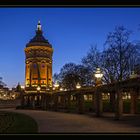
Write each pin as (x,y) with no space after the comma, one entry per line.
(9,103)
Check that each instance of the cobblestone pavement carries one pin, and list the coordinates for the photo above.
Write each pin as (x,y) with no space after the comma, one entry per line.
(58,122)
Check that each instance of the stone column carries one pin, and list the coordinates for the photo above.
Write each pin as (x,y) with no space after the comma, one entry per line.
(48,101)
(38,102)
(68,103)
(28,100)
(112,101)
(93,100)
(25,100)
(45,102)
(42,101)
(133,107)
(98,103)
(33,101)
(80,104)
(22,101)
(63,101)
(118,104)
(56,102)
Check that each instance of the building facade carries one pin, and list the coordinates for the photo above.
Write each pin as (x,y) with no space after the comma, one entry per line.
(38,63)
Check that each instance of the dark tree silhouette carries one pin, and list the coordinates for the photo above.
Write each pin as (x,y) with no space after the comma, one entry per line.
(119,56)
(91,61)
(71,74)
(118,59)
(18,88)
(2,83)
(68,76)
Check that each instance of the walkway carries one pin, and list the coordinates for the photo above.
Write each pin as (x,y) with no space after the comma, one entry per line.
(57,122)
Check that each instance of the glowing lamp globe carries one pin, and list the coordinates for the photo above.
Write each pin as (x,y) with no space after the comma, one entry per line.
(61,89)
(56,85)
(78,86)
(38,88)
(98,73)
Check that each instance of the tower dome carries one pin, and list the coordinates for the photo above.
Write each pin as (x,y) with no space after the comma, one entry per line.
(38,39)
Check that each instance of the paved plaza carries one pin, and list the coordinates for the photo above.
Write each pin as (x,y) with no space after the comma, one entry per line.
(58,122)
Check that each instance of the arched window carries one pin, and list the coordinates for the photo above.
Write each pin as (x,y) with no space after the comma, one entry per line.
(43,65)
(34,65)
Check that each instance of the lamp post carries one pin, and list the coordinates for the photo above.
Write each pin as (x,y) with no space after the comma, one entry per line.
(98,75)
(133,75)
(80,100)
(38,89)
(22,87)
(98,95)
(56,85)
(78,86)
(61,89)
(133,95)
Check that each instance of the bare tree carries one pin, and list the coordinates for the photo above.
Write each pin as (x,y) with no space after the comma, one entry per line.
(117,60)
(91,61)
(119,56)
(2,83)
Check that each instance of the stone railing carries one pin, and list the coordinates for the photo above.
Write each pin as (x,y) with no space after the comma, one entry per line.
(9,103)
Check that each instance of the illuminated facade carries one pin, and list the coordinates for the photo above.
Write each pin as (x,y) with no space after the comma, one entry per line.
(38,68)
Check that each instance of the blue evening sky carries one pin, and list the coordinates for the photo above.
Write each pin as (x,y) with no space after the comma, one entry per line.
(71,31)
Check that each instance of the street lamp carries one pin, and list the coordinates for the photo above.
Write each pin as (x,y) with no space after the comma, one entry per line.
(98,95)
(38,88)
(23,87)
(133,75)
(61,89)
(98,75)
(78,86)
(56,86)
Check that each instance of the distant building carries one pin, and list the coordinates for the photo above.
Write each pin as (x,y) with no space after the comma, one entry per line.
(38,69)
(4,91)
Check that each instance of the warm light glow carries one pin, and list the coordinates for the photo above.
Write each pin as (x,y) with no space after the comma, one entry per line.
(98,73)
(22,87)
(56,85)
(38,88)
(78,86)
(61,89)
(43,85)
(27,85)
(50,85)
(39,71)
(39,26)
(13,96)
(48,89)
(34,85)
(133,75)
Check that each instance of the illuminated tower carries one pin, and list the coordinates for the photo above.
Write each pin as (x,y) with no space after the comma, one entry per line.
(38,69)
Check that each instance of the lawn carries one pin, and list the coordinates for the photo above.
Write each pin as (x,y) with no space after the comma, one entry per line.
(15,123)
